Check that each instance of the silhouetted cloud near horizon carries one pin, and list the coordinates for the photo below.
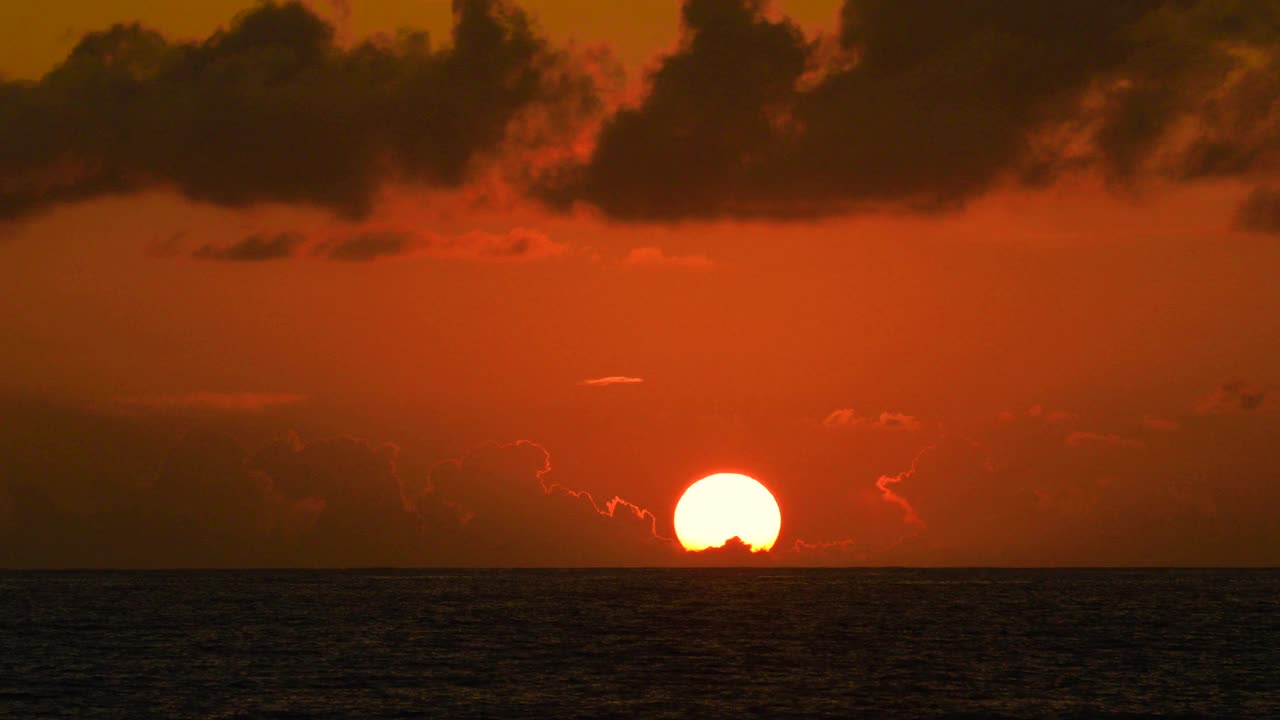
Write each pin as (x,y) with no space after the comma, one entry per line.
(95,489)
(272,109)
(82,489)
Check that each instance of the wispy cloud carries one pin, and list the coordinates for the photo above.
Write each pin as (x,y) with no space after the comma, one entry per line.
(653,257)
(254,248)
(849,419)
(611,380)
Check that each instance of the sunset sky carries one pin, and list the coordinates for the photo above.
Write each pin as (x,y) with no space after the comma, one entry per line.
(406,282)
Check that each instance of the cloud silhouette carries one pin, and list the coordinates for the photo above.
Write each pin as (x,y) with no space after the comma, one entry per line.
(923,105)
(254,248)
(508,513)
(910,105)
(80,488)
(1260,211)
(272,109)
(516,245)
(367,246)
(1231,396)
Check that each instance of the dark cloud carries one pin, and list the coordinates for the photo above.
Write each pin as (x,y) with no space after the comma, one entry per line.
(1232,396)
(254,248)
(516,245)
(272,109)
(924,104)
(82,489)
(911,104)
(703,138)
(733,553)
(1260,212)
(493,492)
(368,246)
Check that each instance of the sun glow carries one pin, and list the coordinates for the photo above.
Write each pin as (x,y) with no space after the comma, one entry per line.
(720,506)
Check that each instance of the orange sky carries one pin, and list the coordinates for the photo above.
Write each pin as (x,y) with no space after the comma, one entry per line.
(1085,364)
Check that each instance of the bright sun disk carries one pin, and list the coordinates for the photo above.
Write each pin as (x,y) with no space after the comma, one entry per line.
(721,506)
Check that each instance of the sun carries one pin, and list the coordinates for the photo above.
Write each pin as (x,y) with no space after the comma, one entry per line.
(720,506)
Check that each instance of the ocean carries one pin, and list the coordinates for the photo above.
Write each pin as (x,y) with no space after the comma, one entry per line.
(700,643)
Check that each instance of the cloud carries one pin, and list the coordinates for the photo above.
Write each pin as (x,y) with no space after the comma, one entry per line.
(229,402)
(922,106)
(254,248)
(733,553)
(885,485)
(87,489)
(1231,396)
(274,109)
(909,106)
(508,512)
(847,418)
(611,380)
(837,552)
(1260,212)
(652,257)
(367,246)
(1086,439)
(92,489)
(516,245)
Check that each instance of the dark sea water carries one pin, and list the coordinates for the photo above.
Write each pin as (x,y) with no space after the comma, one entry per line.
(646,643)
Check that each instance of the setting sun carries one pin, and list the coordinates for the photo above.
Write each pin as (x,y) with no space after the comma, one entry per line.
(721,506)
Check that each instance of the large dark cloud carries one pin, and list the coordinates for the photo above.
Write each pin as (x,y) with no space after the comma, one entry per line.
(254,248)
(925,104)
(86,489)
(1260,212)
(493,491)
(911,104)
(272,109)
